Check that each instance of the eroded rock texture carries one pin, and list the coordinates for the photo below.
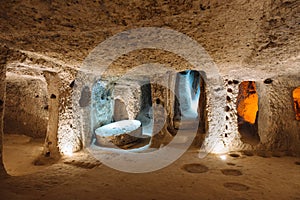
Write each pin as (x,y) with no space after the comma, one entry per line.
(278,127)
(26,106)
(3,58)
(248,41)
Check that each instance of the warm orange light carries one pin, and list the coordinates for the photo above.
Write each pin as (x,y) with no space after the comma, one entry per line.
(296,97)
(247,102)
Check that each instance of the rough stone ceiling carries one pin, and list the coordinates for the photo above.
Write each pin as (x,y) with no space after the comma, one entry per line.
(240,35)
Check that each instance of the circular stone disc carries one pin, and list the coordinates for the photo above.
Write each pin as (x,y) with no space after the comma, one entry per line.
(119,133)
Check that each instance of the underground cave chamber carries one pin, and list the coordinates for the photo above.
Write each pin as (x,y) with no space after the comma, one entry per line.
(132,115)
(161,111)
(251,121)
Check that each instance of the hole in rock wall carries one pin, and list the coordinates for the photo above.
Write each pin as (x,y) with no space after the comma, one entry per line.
(188,94)
(190,104)
(25,122)
(146,111)
(247,110)
(122,114)
(296,98)
(112,106)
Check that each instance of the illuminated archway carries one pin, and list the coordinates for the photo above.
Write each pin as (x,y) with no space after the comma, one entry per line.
(247,110)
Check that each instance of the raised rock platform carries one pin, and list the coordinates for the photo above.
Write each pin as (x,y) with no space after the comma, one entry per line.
(119,133)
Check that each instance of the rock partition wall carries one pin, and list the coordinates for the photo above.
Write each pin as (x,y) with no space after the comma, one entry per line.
(231,137)
(46,73)
(3,55)
(163,101)
(26,109)
(278,128)
(127,99)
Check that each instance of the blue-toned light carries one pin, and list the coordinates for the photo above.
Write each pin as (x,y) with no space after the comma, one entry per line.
(189,93)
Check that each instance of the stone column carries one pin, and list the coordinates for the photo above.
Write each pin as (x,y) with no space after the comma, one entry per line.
(3,57)
(51,147)
(163,108)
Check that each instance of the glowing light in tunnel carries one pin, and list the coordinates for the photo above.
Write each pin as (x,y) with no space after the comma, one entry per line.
(223,157)
(195,99)
(67,150)
(97,65)
(247,110)
(247,105)
(296,97)
(189,93)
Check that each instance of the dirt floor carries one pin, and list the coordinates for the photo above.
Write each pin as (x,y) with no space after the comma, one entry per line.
(82,177)
(20,152)
(247,40)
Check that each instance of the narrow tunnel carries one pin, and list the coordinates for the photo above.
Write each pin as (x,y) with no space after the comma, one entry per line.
(190,104)
(188,93)
(247,110)
(146,111)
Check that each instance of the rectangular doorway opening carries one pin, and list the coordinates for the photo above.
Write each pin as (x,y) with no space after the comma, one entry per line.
(247,111)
